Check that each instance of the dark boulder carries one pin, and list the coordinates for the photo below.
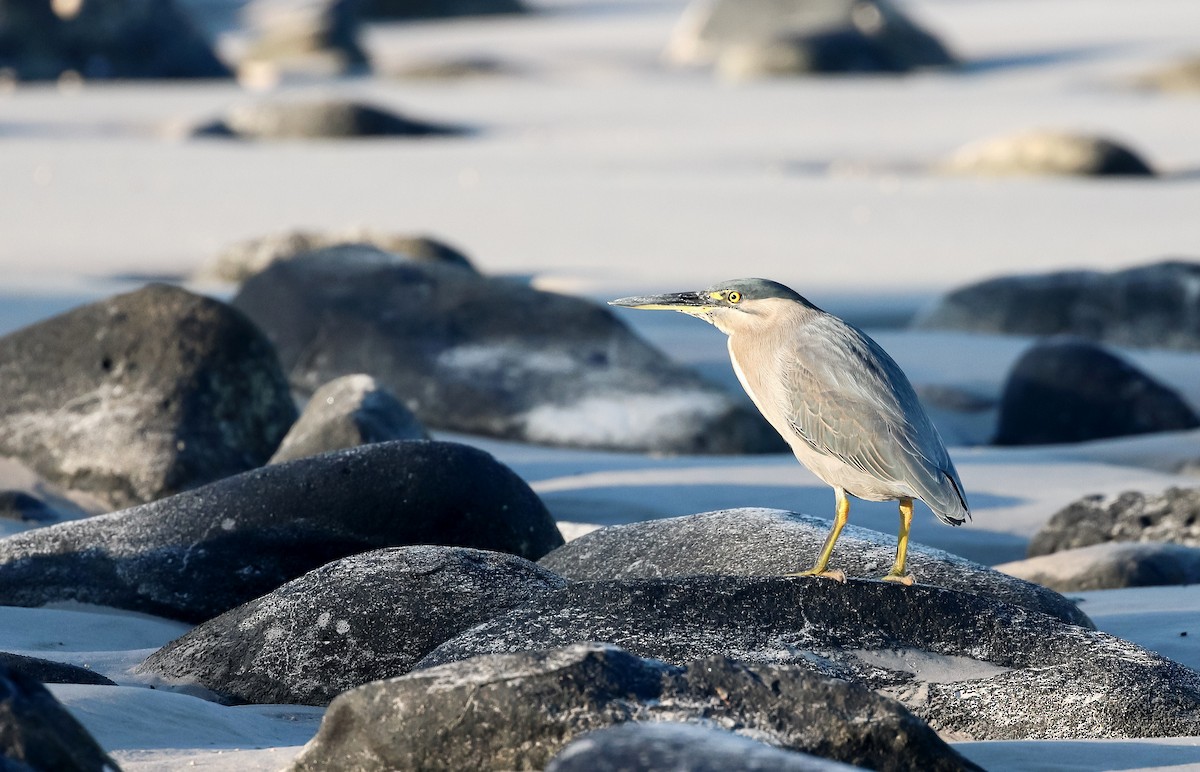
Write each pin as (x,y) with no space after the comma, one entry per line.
(486,356)
(142,395)
(1110,566)
(974,668)
(42,40)
(1150,306)
(640,746)
(323,119)
(347,412)
(197,554)
(515,711)
(363,618)
(396,10)
(771,542)
(38,734)
(1071,390)
(50,672)
(1170,516)
(19,505)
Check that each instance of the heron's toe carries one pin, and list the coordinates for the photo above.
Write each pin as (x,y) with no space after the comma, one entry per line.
(905,579)
(835,574)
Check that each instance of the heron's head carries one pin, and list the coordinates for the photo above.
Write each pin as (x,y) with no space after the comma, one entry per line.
(731,306)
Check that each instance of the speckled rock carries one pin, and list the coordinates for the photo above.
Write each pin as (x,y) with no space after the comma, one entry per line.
(360,619)
(246,258)
(640,746)
(516,711)
(1048,152)
(101,39)
(1150,306)
(197,554)
(321,119)
(38,734)
(1111,566)
(49,672)
(824,36)
(1170,516)
(466,354)
(142,395)
(974,668)
(771,542)
(344,413)
(1072,390)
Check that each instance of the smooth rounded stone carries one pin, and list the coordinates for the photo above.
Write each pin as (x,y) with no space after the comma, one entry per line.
(142,395)
(98,39)
(246,258)
(640,746)
(492,357)
(49,672)
(344,413)
(453,68)
(1048,152)
(360,619)
(971,666)
(825,35)
(197,554)
(1147,306)
(19,505)
(38,734)
(320,119)
(1171,516)
(439,9)
(515,711)
(1072,390)
(771,542)
(1111,566)
(315,37)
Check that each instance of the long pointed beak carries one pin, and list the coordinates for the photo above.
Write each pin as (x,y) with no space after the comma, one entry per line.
(686,302)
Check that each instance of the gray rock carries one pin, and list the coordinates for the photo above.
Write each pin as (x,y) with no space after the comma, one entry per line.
(363,618)
(1072,390)
(795,36)
(49,672)
(197,554)
(974,668)
(246,258)
(315,37)
(1170,516)
(142,395)
(1147,306)
(321,119)
(771,542)
(440,9)
(1048,152)
(1111,566)
(99,39)
(39,734)
(516,711)
(639,746)
(485,356)
(347,412)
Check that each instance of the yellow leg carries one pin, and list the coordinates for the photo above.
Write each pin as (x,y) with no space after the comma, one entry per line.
(897,573)
(839,521)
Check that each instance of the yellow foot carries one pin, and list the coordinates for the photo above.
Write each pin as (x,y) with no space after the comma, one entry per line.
(836,575)
(905,579)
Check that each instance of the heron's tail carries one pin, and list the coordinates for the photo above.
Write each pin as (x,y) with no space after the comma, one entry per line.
(952,510)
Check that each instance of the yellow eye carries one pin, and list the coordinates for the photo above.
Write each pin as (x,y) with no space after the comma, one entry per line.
(734,296)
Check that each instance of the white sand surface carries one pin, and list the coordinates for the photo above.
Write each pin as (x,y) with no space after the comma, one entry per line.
(598,169)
